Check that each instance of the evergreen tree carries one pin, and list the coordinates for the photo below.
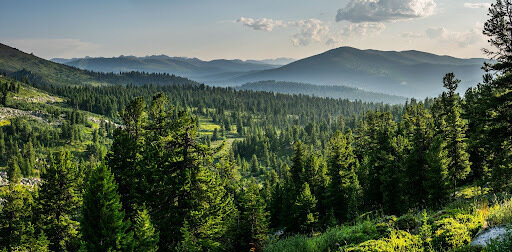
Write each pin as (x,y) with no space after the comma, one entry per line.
(103,223)
(159,163)
(494,97)
(31,158)
(253,227)
(255,166)
(16,222)
(13,171)
(454,132)
(498,28)
(343,188)
(304,211)
(436,177)
(145,235)
(298,166)
(419,130)
(3,150)
(58,203)
(379,170)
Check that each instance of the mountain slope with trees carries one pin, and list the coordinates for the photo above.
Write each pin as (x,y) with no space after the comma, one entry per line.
(198,168)
(406,73)
(337,92)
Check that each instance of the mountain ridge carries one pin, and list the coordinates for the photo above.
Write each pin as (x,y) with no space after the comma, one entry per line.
(406,73)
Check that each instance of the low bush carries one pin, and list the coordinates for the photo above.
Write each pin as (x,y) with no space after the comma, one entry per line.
(407,222)
(330,240)
(397,241)
(450,234)
(500,214)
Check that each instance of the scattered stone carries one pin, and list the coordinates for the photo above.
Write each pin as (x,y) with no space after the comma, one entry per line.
(4,181)
(484,237)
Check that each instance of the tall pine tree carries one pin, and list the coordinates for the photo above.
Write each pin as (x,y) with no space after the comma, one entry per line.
(103,223)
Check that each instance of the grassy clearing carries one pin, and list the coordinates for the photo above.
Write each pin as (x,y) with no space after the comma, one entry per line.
(451,229)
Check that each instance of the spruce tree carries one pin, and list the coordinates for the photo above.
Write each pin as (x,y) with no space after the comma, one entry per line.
(419,130)
(253,227)
(103,223)
(255,166)
(343,188)
(436,177)
(304,211)
(16,222)
(145,235)
(13,171)
(454,132)
(58,202)
(494,96)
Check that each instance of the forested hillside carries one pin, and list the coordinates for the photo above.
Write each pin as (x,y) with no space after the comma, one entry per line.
(188,67)
(174,165)
(19,65)
(342,92)
(406,73)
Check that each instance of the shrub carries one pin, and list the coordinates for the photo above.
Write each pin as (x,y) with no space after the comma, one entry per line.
(386,225)
(330,240)
(406,222)
(473,222)
(450,234)
(397,241)
(500,214)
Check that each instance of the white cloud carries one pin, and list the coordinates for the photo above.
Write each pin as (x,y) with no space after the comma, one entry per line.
(363,29)
(477,5)
(309,30)
(262,24)
(356,30)
(52,48)
(357,11)
(461,39)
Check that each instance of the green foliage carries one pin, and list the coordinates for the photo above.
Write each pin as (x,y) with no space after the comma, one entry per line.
(13,171)
(397,241)
(304,212)
(343,189)
(500,213)
(253,220)
(158,163)
(453,129)
(145,235)
(330,240)
(58,203)
(450,234)
(17,231)
(103,223)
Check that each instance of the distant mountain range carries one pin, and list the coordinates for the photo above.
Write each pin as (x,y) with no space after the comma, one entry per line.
(342,92)
(406,73)
(18,64)
(402,74)
(189,67)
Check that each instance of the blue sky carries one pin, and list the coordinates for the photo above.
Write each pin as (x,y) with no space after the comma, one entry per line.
(244,29)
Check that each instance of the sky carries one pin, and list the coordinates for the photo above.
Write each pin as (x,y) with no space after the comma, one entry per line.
(241,29)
